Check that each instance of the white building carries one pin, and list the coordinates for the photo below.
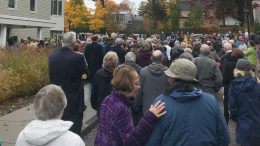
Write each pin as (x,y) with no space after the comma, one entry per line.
(38,19)
(125,18)
(256,10)
(229,21)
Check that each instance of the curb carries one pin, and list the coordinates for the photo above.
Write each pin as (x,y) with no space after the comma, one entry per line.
(89,125)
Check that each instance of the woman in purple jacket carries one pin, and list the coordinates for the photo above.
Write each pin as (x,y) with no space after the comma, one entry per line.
(115,120)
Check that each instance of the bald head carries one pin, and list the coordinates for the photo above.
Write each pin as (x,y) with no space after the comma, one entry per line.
(204,49)
(157,56)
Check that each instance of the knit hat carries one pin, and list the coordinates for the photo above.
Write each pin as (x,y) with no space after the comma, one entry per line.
(182,69)
(243,64)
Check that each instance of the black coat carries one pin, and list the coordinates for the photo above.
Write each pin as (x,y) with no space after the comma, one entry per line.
(120,53)
(227,66)
(94,54)
(101,87)
(65,69)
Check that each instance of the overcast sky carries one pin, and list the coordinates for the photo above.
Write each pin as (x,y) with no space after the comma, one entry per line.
(91,4)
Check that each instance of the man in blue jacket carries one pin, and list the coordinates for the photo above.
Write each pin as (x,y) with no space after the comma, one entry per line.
(193,117)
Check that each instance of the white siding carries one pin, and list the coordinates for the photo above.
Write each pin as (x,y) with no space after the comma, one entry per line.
(29,32)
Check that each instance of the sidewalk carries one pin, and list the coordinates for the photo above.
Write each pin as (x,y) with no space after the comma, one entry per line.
(11,124)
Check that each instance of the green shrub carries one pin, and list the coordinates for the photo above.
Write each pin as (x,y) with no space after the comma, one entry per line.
(22,72)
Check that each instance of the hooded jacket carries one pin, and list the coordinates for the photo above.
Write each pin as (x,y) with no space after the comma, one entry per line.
(193,118)
(152,82)
(48,133)
(244,108)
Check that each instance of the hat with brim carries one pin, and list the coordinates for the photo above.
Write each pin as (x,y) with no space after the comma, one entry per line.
(182,69)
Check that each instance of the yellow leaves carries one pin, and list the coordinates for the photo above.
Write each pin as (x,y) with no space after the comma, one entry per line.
(97,24)
(98,20)
(75,14)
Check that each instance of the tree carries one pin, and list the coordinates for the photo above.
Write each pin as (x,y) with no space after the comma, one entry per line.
(76,15)
(97,22)
(225,8)
(174,14)
(141,9)
(124,6)
(112,19)
(102,2)
(155,9)
(195,19)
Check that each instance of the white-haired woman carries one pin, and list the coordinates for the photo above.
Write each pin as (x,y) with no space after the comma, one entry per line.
(49,129)
(101,85)
(244,104)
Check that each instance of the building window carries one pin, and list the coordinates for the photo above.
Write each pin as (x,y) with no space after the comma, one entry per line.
(11,4)
(56,7)
(32,5)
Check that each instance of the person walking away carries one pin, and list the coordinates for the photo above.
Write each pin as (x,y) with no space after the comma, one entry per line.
(102,80)
(193,117)
(152,81)
(208,72)
(49,129)
(245,104)
(66,68)
(94,56)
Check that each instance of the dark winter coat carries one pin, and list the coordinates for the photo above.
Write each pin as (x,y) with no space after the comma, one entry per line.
(94,55)
(227,66)
(193,118)
(101,87)
(143,58)
(244,109)
(120,53)
(65,69)
(134,65)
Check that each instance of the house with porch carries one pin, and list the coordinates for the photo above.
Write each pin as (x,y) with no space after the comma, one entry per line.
(38,19)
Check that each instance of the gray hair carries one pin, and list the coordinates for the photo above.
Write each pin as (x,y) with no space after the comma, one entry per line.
(119,41)
(227,46)
(204,49)
(49,102)
(130,56)
(187,55)
(110,60)
(68,39)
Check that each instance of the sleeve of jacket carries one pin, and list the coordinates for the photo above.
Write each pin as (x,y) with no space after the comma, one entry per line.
(139,135)
(233,106)
(139,96)
(248,52)
(223,137)
(84,65)
(218,78)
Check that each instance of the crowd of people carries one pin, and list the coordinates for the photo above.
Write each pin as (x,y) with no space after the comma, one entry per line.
(156,91)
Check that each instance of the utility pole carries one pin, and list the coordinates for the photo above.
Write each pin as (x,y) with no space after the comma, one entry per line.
(247,14)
